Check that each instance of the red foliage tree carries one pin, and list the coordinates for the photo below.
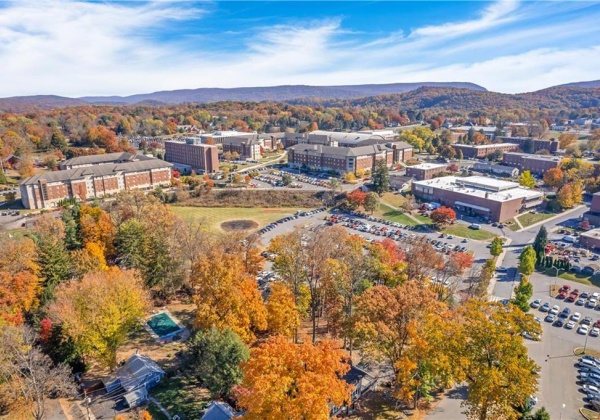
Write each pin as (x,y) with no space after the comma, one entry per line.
(356,198)
(443,216)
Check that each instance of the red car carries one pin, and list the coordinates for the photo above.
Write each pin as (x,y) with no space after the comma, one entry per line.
(562,294)
(573,296)
(565,288)
(597,324)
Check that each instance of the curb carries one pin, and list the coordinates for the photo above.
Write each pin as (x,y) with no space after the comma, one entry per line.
(564,213)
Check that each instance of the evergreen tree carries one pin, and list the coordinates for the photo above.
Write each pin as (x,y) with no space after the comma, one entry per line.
(381,177)
(70,218)
(540,242)
(131,244)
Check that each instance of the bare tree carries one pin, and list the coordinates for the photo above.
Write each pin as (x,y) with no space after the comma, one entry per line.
(28,375)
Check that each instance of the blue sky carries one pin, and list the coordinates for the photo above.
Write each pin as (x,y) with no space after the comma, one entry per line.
(77,48)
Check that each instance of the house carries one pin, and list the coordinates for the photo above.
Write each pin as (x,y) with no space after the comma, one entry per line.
(361,383)
(134,379)
(217,410)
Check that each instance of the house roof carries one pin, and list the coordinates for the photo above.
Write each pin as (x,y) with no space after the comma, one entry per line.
(219,411)
(354,375)
(135,372)
(98,170)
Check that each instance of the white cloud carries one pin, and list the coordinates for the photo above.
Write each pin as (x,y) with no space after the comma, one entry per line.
(494,15)
(76,48)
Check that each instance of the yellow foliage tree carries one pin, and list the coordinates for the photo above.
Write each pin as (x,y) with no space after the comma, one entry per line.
(282,314)
(283,380)
(96,226)
(226,296)
(100,310)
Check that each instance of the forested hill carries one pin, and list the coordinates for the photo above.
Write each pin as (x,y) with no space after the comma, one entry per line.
(470,100)
(588,84)
(211,95)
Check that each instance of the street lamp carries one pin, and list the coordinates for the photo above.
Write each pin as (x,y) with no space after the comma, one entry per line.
(561,410)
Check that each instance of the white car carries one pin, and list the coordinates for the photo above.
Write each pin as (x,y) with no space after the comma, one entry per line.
(595,295)
(536,303)
(555,309)
(570,325)
(591,388)
(576,317)
(591,303)
(595,332)
(583,330)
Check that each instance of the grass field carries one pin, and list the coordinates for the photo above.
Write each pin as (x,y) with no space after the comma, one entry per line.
(395,200)
(214,216)
(389,213)
(529,219)
(465,232)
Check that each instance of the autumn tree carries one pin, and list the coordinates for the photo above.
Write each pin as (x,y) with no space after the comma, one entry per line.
(403,325)
(28,378)
(282,315)
(371,202)
(566,139)
(20,283)
(215,357)
(526,179)
(496,247)
(380,179)
(490,356)
(226,296)
(96,226)
(554,177)
(283,380)
(100,310)
(523,292)
(356,199)
(386,263)
(422,260)
(443,216)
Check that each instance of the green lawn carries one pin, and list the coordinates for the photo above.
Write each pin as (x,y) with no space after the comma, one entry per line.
(465,232)
(271,156)
(182,395)
(529,219)
(423,219)
(214,216)
(394,215)
(396,200)
(571,276)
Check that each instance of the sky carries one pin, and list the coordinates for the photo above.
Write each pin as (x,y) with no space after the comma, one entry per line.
(83,48)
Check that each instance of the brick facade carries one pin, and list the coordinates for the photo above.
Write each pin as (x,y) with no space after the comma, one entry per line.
(536,164)
(481,151)
(202,158)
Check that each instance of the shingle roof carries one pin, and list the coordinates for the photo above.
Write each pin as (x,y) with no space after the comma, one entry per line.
(98,170)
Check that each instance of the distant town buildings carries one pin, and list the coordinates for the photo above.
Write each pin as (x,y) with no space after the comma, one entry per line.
(188,156)
(425,170)
(538,144)
(47,189)
(493,199)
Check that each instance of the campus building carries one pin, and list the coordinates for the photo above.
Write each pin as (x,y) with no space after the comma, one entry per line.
(491,168)
(47,189)
(102,159)
(188,156)
(219,136)
(536,164)
(425,170)
(339,159)
(247,147)
(593,214)
(494,199)
(483,150)
(538,144)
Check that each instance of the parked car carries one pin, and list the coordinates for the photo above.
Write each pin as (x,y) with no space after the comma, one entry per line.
(570,325)
(555,309)
(576,317)
(545,307)
(583,330)
(536,303)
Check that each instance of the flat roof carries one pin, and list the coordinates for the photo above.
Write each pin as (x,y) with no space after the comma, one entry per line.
(535,157)
(483,187)
(426,166)
(485,146)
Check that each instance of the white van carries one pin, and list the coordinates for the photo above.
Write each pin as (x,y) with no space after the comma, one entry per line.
(570,239)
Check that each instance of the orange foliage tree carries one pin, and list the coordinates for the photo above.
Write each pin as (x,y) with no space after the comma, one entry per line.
(282,315)
(283,380)
(97,227)
(443,216)
(226,296)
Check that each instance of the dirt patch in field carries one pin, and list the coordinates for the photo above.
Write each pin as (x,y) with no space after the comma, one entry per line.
(234,225)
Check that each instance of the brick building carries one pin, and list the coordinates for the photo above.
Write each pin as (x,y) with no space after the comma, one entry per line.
(425,170)
(536,164)
(593,214)
(538,144)
(590,239)
(483,150)
(45,190)
(491,168)
(102,159)
(339,159)
(248,147)
(202,158)
(477,195)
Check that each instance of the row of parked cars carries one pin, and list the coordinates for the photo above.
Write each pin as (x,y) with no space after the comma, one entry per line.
(589,377)
(568,319)
(299,213)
